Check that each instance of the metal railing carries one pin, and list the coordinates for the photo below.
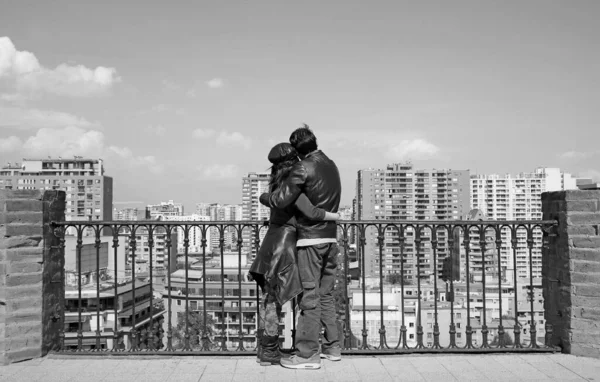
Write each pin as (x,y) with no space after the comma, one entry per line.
(402,286)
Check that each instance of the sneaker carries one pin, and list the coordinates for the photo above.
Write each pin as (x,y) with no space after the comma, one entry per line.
(332,354)
(297,362)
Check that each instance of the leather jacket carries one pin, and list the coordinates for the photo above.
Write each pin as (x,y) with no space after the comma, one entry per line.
(318,178)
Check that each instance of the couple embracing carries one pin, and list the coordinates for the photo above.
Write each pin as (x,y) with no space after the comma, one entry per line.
(298,256)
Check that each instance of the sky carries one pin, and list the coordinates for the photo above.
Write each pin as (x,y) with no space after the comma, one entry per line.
(182,99)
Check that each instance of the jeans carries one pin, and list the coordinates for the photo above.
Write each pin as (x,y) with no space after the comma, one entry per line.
(317,266)
(269,313)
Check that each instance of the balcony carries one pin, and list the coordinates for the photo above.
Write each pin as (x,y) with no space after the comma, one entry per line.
(365,294)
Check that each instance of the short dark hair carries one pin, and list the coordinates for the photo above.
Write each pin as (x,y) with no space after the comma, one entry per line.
(303,140)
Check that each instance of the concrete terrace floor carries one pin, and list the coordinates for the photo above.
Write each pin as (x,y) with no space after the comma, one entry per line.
(424,367)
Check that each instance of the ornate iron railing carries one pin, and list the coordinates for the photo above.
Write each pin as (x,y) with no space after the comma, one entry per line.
(403,286)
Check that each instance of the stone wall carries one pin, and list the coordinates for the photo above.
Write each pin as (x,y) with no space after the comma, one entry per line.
(571,271)
(31,291)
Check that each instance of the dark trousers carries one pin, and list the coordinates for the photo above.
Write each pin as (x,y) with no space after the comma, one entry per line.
(317,266)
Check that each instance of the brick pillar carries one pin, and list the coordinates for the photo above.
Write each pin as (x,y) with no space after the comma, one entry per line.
(31,268)
(571,271)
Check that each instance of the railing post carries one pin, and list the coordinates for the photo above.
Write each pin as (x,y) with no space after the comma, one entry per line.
(31,274)
(571,271)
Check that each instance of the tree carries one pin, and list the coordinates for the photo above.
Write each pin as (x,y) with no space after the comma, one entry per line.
(152,337)
(397,279)
(195,322)
(508,341)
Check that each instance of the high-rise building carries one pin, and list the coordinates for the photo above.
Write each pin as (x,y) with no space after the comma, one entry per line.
(164,209)
(162,246)
(516,197)
(195,234)
(253,185)
(130,214)
(203,209)
(89,193)
(217,212)
(401,192)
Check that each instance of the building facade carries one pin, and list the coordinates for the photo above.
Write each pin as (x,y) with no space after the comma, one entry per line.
(253,185)
(164,209)
(130,214)
(195,234)
(230,309)
(113,315)
(516,197)
(401,192)
(89,193)
(218,212)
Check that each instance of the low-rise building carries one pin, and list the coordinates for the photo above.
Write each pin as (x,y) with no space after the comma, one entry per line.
(112,315)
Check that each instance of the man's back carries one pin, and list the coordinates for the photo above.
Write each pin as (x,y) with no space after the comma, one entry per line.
(323,188)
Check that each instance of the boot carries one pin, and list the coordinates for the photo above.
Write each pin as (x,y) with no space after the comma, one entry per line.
(270,354)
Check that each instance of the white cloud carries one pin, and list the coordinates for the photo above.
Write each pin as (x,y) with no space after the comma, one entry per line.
(215,83)
(412,149)
(28,76)
(10,144)
(26,118)
(157,130)
(127,157)
(161,108)
(219,171)
(234,139)
(191,93)
(170,85)
(576,155)
(203,133)
(397,146)
(68,141)
(71,141)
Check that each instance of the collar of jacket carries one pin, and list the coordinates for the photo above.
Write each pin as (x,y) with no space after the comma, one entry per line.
(312,153)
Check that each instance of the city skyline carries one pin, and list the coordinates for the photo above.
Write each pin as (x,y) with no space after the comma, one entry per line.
(193,97)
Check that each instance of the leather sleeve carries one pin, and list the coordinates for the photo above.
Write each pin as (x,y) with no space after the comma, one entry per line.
(308,209)
(288,192)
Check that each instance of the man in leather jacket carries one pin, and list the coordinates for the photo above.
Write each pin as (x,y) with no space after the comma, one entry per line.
(318,178)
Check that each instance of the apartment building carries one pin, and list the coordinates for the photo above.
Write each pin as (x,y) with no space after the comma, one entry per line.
(401,192)
(253,185)
(232,309)
(94,263)
(414,311)
(89,193)
(195,234)
(218,212)
(516,197)
(160,253)
(129,214)
(164,209)
(111,314)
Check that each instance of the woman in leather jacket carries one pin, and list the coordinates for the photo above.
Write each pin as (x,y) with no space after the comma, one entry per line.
(274,268)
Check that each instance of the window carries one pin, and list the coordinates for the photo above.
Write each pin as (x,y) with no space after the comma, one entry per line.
(178,302)
(412,336)
(411,325)
(458,335)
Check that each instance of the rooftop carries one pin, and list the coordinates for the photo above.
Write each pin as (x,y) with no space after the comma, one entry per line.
(424,367)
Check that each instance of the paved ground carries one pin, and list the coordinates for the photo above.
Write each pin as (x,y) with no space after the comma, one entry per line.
(534,367)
